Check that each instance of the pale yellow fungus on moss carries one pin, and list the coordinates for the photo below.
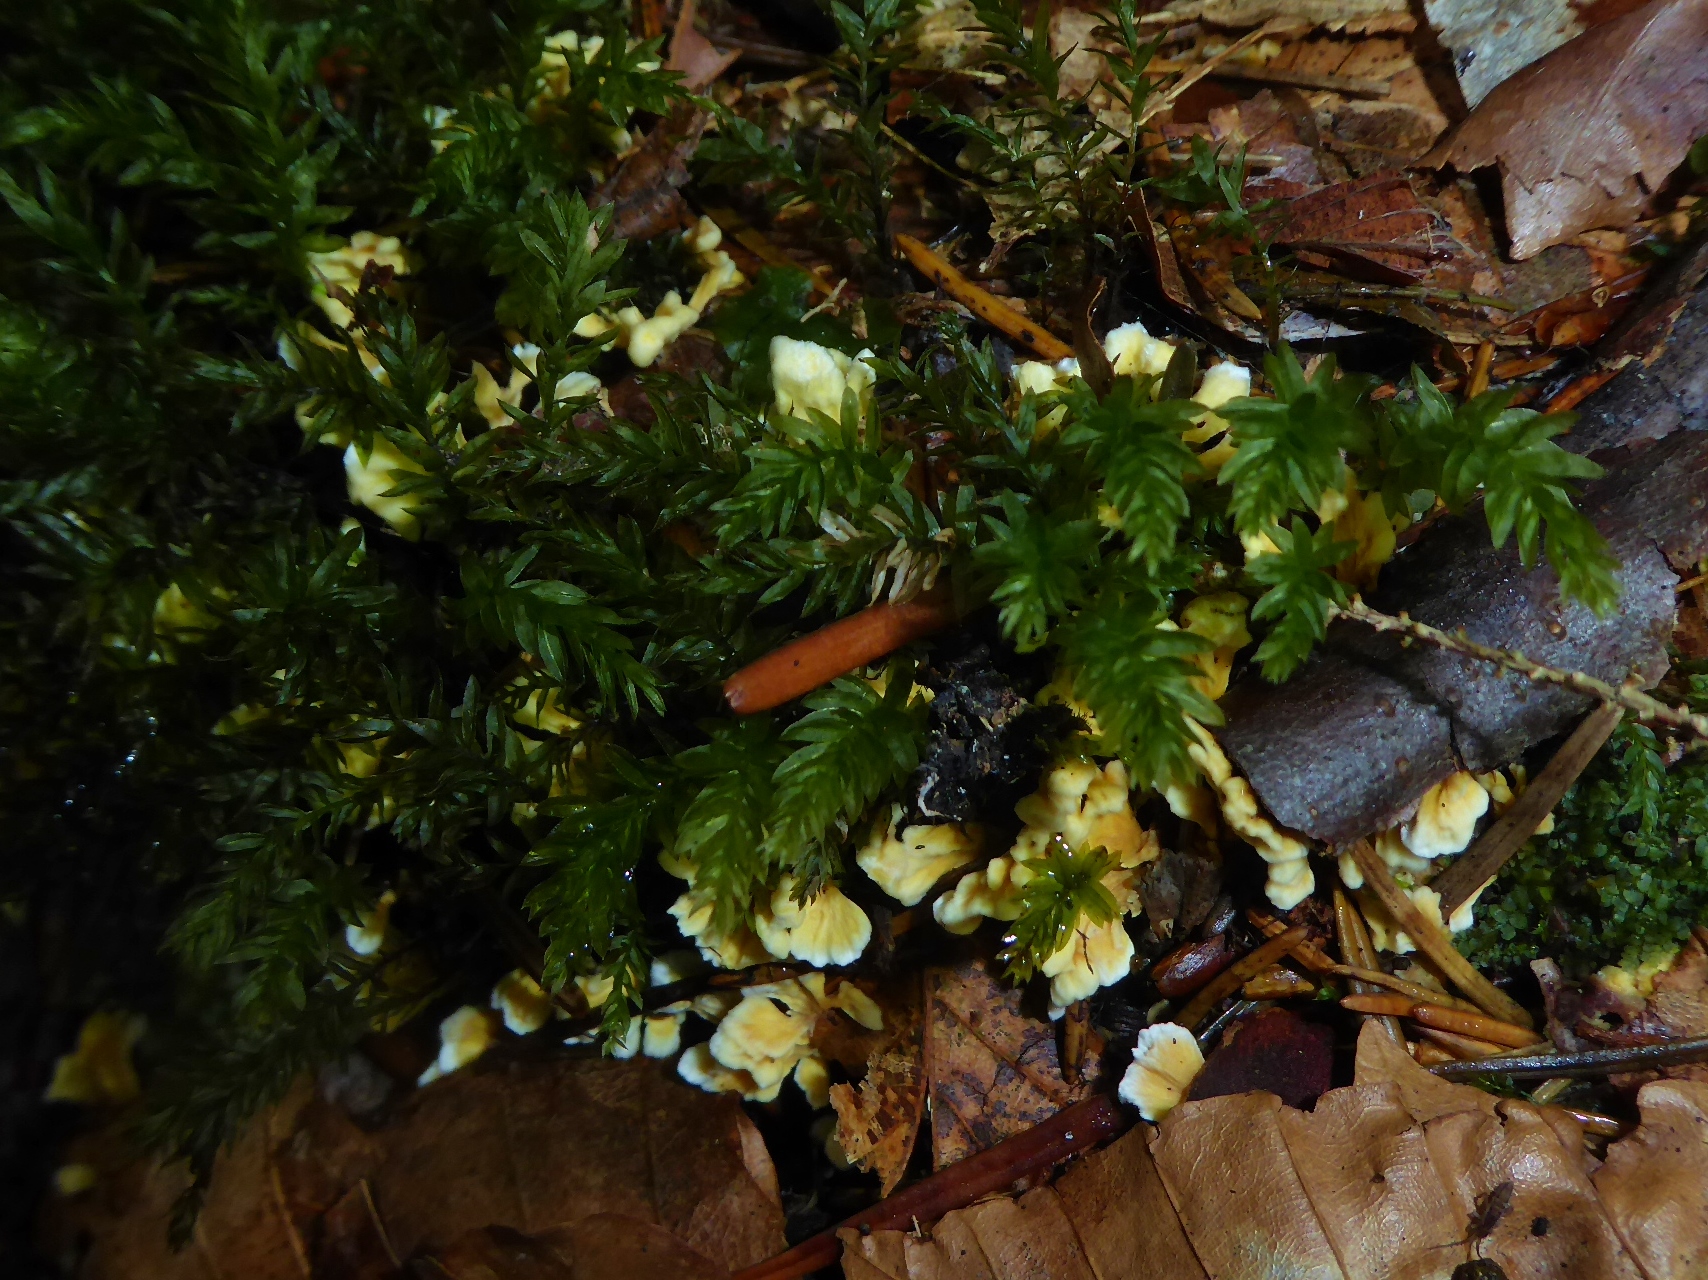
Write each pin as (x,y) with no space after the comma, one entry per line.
(99,1072)
(524,1004)
(906,864)
(827,929)
(1290,879)
(463,1037)
(1132,351)
(370,477)
(342,268)
(367,936)
(1446,817)
(806,376)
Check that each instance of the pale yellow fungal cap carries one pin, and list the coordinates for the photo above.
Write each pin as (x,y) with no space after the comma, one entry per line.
(805,375)
(523,1003)
(1166,1060)
(463,1037)
(907,864)
(370,476)
(99,1072)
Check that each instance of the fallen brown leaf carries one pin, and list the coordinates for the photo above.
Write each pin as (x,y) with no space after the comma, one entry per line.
(699,61)
(1399,1174)
(643,191)
(605,1246)
(992,1070)
(878,1119)
(1585,135)
(555,1146)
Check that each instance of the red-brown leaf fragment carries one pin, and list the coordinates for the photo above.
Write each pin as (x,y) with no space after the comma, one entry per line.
(1585,135)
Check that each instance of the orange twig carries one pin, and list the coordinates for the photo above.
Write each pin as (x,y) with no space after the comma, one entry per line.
(992,310)
(803,665)
(1494,1030)
(1385,1004)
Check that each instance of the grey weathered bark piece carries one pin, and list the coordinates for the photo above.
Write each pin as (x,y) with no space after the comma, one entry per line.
(1348,745)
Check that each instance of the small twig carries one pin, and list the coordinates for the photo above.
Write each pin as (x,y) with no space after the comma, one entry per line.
(1508,835)
(1076,1022)
(1627,696)
(1077,1128)
(1356,950)
(1596,1062)
(1480,365)
(1433,940)
(1306,953)
(1306,80)
(992,310)
(1163,101)
(803,665)
(1419,993)
(1231,979)
(1690,584)
(965,180)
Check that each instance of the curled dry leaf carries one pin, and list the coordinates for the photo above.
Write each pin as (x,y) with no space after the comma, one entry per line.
(992,1070)
(1584,136)
(877,1120)
(539,1147)
(1399,1174)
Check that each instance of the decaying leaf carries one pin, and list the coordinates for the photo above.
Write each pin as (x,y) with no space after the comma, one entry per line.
(1584,136)
(1399,1174)
(1275,1051)
(699,61)
(992,1070)
(572,1147)
(643,191)
(605,1246)
(877,1120)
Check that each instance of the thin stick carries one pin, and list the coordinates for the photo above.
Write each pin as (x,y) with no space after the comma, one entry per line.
(1508,835)
(1465,1048)
(1306,953)
(1419,993)
(1230,980)
(803,665)
(1306,80)
(1165,100)
(992,310)
(1083,1125)
(1356,950)
(1596,1062)
(1475,1025)
(1480,364)
(1432,940)
(1632,699)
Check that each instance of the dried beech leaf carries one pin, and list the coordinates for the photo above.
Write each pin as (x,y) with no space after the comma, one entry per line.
(1365,1166)
(547,1148)
(1555,1225)
(536,1146)
(1232,1182)
(1654,1182)
(643,191)
(1398,1175)
(1583,136)
(992,1070)
(877,1120)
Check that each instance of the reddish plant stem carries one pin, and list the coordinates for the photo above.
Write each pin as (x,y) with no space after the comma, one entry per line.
(1081,1126)
(803,665)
